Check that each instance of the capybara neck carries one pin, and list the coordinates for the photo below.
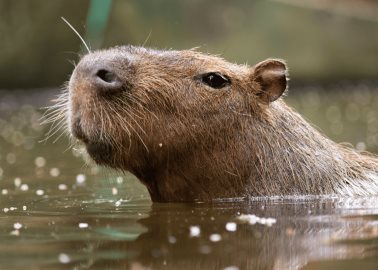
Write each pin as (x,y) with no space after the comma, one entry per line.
(194,127)
(285,156)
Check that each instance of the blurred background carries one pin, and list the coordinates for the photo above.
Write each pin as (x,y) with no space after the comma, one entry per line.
(331,47)
(55,208)
(323,41)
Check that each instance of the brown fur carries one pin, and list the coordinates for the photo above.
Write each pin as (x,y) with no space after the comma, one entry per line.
(187,141)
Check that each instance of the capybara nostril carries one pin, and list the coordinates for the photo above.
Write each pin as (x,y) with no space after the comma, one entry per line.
(105,80)
(106,75)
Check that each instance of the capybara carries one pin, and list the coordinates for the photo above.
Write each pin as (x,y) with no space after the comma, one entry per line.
(194,127)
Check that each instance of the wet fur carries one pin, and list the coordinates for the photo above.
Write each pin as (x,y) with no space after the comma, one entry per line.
(186,141)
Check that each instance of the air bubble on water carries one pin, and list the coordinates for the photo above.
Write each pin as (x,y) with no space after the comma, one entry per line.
(215,237)
(262,221)
(270,221)
(40,162)
(17,182)
(62,187)
(83,225)
(80,179)
(17,225)
(64,258)
(54,172)
(24,187)
(40,192)
(231,226)
(253,219)
(195,231)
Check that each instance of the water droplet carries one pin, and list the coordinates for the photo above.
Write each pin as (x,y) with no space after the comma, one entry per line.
(195,231)
(62,187)
(54,172)
(17,226)
(64,258)
(80,179)
(17,182)
(231,226)
(215,237)
(118,203)
(83,225)
(24,187)
(40,162)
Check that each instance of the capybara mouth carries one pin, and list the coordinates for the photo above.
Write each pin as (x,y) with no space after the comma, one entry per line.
(77,131)
(100,152)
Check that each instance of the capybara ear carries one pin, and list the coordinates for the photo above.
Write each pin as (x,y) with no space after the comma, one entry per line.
(271,76)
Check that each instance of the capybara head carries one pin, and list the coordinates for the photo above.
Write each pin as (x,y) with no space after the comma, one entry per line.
(192,126)
(130,103)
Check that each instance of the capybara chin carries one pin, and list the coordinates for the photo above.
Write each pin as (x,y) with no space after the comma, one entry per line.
(194,127)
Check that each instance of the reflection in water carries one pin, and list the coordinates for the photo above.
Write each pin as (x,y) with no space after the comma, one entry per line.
(137,234)
(296,239)
(56,213)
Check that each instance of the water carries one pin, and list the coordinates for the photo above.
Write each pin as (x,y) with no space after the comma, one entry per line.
(58,213)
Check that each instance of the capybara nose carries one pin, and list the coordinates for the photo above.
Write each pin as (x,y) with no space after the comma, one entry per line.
(104,80)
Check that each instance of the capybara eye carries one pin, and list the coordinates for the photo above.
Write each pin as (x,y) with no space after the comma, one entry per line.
(215,80)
